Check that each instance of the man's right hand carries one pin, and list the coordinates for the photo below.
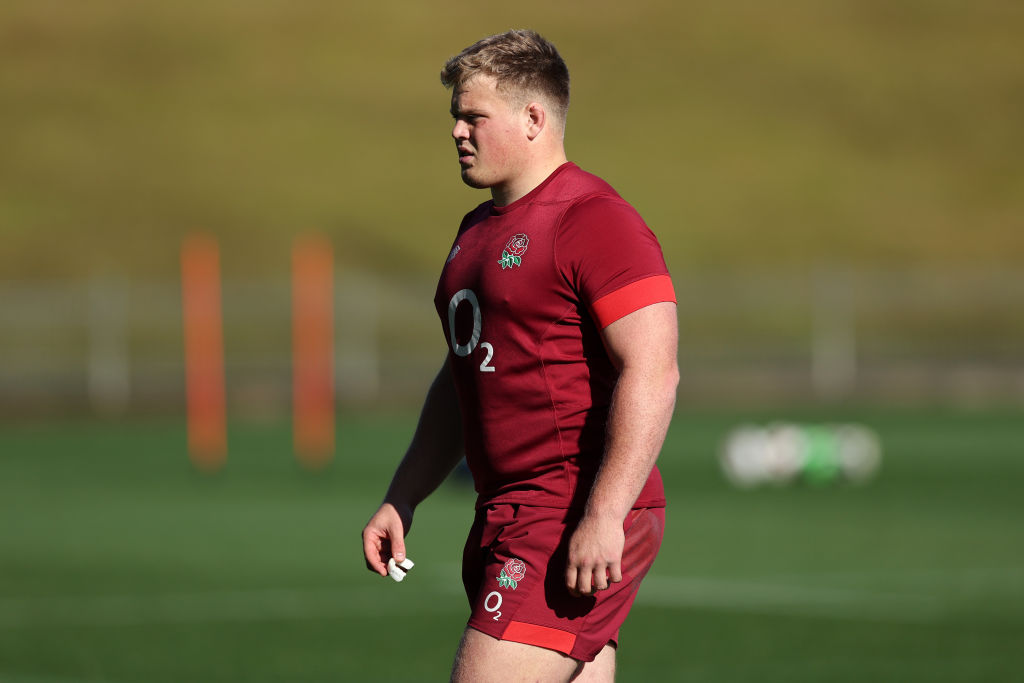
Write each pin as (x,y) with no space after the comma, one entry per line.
(384,537)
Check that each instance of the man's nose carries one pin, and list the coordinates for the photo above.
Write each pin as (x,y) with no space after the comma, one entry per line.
(460,131)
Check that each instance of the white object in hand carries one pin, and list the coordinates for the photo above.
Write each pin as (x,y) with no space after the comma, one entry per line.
(398,570)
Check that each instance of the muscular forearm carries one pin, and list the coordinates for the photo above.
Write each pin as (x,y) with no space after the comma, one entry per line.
(435,449)
(639,417)
(640,413)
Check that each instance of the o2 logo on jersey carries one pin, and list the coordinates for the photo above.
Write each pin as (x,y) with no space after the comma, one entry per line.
(463,350)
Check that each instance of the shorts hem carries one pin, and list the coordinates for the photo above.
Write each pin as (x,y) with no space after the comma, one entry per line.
(587,651)
(540,636)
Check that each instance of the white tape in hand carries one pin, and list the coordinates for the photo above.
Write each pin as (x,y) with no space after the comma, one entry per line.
(398,570)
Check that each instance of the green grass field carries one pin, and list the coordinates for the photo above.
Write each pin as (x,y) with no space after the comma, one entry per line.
(120,563)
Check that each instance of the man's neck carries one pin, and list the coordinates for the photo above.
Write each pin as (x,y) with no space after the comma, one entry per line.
(506,193)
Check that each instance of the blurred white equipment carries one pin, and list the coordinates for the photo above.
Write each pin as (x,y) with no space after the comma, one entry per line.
(782,453)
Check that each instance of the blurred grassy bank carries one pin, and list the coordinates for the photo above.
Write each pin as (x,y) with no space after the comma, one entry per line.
(748,134)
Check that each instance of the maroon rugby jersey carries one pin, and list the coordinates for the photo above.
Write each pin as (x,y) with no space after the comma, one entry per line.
(522,298)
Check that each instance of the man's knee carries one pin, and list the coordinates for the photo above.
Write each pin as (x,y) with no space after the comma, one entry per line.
(601,670)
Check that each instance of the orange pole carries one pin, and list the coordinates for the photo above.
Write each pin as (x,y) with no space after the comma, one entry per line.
(204,352)
(313,351)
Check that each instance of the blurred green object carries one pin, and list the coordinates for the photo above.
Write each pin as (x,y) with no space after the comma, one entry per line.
(822,464)
(784,453)
(120,563)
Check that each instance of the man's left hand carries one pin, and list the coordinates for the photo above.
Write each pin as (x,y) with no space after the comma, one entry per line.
(595,555)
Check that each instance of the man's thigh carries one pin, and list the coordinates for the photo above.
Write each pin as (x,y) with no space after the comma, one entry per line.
(482,658)
(514,571)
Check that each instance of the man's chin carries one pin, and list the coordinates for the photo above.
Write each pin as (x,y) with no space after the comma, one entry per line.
(472,181)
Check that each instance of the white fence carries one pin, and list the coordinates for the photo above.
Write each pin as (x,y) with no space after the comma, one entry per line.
(113,346)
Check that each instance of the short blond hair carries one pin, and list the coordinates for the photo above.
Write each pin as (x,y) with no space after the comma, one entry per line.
(523,64)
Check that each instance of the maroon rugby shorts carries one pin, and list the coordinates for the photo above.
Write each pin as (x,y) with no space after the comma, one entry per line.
(513,569)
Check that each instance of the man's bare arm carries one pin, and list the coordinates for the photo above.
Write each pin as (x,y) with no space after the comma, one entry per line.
(643,345)
(435,449)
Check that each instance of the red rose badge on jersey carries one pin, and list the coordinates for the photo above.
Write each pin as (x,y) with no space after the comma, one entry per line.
(514,250)
(512,573)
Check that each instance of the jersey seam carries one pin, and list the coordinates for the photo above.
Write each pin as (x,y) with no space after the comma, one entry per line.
(551,399)
(559,226)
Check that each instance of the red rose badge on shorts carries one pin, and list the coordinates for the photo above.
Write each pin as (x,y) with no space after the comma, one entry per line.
(514,250)
(512,573)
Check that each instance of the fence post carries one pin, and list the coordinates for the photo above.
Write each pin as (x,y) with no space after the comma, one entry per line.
(204,351)
(357,310)
(109,372)
(313,350)
(833,343)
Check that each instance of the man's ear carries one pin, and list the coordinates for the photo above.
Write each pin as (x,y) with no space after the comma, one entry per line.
(536,119)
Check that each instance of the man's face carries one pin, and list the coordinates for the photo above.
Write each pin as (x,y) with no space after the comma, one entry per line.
(489,134)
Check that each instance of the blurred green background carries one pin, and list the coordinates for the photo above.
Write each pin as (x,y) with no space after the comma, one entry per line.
(838,191)
(120,563)
(748,134)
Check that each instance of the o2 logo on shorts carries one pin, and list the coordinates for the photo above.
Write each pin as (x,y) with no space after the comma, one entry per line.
(492,603)
(512,573)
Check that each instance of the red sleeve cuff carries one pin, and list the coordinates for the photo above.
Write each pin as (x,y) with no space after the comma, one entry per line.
(633,297)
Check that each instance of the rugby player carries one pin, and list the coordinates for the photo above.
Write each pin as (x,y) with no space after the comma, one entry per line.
(558,386)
